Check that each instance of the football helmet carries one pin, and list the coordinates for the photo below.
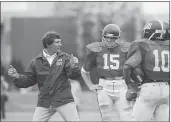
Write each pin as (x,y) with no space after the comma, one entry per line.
(167,34)
(110,34)
(154,30)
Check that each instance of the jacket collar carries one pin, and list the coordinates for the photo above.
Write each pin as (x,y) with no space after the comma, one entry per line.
(40,55)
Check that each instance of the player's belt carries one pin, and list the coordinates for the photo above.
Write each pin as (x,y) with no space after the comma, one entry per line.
(111,78)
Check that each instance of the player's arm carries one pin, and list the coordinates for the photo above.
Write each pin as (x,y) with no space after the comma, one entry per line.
(134,58)
(89,63)
(28,78)
(86,76)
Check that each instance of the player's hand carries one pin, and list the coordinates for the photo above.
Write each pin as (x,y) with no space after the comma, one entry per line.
(13,72)
(95,88)
(131,95)
(73,60)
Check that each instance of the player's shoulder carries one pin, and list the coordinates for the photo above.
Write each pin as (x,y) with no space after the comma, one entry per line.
(139,43)
(157,42)
(166,43)
(124,45)
(96,46)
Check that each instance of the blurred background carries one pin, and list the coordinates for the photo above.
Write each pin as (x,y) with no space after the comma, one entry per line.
(79,23)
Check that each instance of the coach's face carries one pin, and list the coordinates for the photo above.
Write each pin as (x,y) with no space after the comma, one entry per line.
(56,45)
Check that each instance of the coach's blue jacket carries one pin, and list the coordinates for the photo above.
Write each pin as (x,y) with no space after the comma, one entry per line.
(53,83)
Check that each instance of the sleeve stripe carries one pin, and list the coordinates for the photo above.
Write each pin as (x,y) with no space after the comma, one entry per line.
(83,70)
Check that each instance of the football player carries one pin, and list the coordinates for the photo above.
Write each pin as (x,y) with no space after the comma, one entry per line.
(108,57)
(151,53)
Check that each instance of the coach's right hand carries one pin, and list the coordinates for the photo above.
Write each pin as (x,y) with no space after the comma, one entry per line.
(13,72)
(95,87)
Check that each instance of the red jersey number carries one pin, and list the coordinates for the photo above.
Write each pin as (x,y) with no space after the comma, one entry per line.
(164,54)
(113,58)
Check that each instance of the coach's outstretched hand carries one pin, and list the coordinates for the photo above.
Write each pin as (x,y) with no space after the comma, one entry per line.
(73,60)
(13,72)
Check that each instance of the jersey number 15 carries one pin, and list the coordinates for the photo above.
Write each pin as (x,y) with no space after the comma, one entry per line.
(113,60)
(164,64)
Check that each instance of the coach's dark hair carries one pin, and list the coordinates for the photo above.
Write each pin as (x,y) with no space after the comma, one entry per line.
(49,38)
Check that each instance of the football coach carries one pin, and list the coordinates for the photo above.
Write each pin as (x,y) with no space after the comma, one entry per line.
(50,70)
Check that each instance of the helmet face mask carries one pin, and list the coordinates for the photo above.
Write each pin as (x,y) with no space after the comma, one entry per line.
(110,35)
(154,30)
(110,42)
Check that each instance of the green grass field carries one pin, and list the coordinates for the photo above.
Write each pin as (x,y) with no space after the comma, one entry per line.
(20,107)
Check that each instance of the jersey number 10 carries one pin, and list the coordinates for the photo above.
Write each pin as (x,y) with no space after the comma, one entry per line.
(164,55)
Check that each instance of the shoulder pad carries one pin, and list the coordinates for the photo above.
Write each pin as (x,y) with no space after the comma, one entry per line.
(166,43)
(96,46)
(139,42)
(124,46)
